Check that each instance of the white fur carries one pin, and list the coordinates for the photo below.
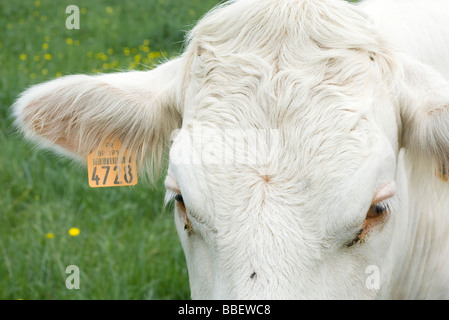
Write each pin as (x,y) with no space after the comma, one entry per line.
(358,99)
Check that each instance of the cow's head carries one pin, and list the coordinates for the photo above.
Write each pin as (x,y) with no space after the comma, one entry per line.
(288,121)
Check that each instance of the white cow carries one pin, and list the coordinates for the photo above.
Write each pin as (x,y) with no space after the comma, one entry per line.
(313,139)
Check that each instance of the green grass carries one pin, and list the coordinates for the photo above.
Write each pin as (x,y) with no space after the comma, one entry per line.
(127,247)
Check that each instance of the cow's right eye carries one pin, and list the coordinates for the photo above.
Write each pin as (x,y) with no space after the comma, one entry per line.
(179,198)
(182,210)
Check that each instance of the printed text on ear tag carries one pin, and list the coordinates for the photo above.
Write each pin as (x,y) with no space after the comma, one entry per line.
(108,168)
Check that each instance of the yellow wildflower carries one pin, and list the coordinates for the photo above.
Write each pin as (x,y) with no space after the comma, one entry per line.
(23,57)
(50,235)
(154,54)
(69,41)
(74,232)
(47,56)
(45,46)
(101,56)
(144,48)
(109,10)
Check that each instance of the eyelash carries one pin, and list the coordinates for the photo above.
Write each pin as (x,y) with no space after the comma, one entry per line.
(169,196)
(181,206)
(190,219)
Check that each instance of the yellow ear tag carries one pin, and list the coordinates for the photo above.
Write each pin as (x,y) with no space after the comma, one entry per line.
(108,168)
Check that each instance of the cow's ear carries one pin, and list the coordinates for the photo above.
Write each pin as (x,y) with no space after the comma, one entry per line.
(424,106)
(73,115)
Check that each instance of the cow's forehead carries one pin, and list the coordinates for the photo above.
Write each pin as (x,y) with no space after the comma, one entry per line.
(316,114)
(284,29)
(274,64)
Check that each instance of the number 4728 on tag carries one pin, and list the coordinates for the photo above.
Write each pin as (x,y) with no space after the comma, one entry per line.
(110,166)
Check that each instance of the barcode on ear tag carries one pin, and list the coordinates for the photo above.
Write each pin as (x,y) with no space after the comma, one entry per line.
(110,166)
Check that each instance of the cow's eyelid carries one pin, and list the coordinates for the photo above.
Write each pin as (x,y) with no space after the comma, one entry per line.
(384,193)
(171,184)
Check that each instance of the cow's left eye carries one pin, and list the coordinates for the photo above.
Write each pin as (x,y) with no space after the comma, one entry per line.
(376,216)
(377,210)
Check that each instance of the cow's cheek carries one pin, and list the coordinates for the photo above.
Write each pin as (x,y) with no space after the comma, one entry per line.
(198,259)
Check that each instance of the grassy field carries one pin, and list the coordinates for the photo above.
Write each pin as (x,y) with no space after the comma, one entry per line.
(127,247)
